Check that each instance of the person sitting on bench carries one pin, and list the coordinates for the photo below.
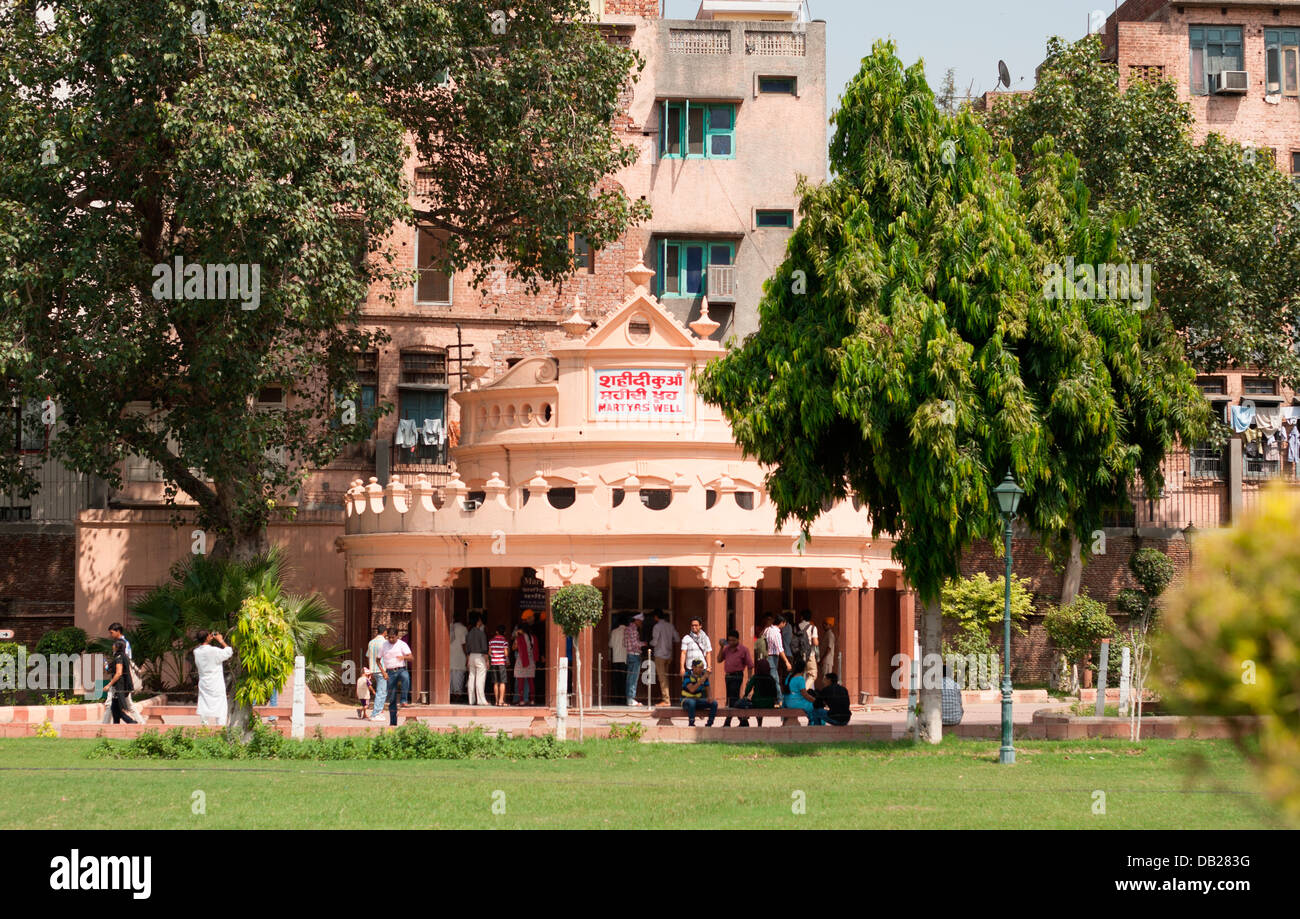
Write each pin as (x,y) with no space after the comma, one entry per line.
(695,693)
(760,692)
(835,700)
(797,694)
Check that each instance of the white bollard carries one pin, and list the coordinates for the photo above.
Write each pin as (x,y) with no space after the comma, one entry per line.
(1123,681)
(299,725)
(562,699)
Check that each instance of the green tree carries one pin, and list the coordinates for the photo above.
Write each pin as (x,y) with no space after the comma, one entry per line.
(1217,223)
(908,354)
(577,607)
(272,135)
(975,606)
(1077,628)
(1153,571)
(1230,640)
(246,600)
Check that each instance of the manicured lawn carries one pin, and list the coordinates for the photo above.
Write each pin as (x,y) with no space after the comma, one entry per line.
(959,784)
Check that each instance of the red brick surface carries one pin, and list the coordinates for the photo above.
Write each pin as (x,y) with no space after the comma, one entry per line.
(37,582)
(1143,33)
(1104,576)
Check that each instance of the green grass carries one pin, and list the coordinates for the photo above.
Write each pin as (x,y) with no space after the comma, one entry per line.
(1155,784)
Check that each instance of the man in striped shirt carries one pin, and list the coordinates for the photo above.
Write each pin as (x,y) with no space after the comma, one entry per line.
(498,658)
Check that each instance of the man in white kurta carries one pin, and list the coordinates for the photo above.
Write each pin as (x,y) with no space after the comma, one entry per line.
(212,681)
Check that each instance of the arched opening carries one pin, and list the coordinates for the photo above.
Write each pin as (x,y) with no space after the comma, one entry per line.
(656,498)
(560,498)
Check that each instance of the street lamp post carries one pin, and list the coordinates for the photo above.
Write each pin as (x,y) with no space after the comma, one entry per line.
(1008,495)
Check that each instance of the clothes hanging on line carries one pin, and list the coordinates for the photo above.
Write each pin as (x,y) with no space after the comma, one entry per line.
(406,433)
(1241,417)
(432,432)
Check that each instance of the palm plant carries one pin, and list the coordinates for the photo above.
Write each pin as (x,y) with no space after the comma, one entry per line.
(207,593)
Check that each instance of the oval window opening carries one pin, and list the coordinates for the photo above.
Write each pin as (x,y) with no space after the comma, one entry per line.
(656,498)
(561,498)
(638,331)
(710,498)
(546,412)
(619,494)
(745,500)
(523,497)
(474,500)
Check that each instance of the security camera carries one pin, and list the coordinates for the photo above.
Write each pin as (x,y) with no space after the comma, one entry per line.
(719,543)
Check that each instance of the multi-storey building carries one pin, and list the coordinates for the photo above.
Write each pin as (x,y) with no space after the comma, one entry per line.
(727,113)
(1236,63)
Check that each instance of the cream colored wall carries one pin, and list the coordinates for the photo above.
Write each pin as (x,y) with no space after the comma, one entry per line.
(120,549)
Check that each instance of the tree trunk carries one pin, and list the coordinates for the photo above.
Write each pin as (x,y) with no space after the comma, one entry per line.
(930,724)
(1073,572)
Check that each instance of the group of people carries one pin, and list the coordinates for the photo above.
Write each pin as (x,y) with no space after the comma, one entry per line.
(630,644)
(122,678)
(781,671)
(474,657)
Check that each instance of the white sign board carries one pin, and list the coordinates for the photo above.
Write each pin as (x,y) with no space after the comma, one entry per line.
(638,393)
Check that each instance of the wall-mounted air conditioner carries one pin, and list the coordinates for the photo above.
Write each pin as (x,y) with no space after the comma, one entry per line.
(722,284)
(1229,82)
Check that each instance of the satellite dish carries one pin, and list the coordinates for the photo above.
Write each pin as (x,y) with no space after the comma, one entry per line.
(1004,75)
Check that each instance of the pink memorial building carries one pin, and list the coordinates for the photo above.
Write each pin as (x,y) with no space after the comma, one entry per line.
(597,463)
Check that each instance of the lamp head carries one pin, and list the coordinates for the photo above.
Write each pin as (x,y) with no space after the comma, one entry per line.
(1009,495)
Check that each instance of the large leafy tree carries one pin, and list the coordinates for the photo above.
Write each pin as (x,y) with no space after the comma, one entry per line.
(1220,224)
(908,354)
(271,134)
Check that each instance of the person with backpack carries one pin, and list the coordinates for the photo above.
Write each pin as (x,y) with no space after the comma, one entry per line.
(811,645)
(800,646)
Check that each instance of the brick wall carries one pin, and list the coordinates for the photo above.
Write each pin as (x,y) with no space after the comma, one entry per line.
(1104,576)
(647,8)
(390,599)
(1154,33)
(37,572)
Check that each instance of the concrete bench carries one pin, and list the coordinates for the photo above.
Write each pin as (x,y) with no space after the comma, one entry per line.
(789,716)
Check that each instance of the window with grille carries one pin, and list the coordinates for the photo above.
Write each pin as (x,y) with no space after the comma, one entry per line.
(776,44)
(1146,73)
(1212,386)
(698,41)
(1259,386)
(424,368)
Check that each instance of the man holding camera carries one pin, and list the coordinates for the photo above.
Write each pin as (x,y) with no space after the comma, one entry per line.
(210,654)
